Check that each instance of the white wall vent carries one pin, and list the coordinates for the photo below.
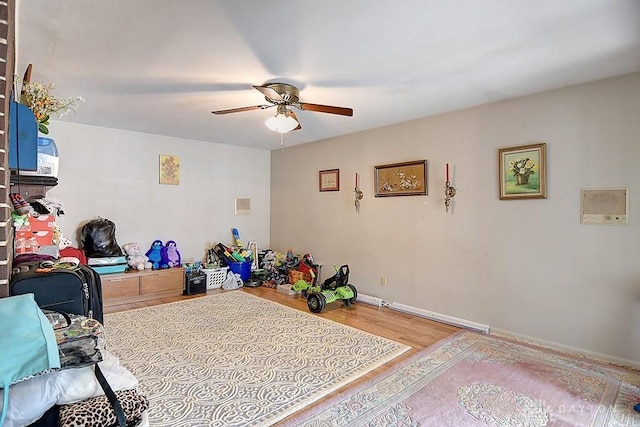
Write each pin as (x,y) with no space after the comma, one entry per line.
(605,206)
(243,206)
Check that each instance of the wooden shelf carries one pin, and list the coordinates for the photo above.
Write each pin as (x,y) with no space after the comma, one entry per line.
(31,187)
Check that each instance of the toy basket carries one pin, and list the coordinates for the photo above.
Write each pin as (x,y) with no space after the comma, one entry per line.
(295,275)
(215,276)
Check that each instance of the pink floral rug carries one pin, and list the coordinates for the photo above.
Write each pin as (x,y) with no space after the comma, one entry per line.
(471,379)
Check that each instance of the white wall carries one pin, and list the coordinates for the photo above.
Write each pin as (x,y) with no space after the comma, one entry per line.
(527,267)
(114,174)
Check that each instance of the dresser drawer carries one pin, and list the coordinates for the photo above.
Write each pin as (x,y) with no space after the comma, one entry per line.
(162,281)
(119,287)
(135,286)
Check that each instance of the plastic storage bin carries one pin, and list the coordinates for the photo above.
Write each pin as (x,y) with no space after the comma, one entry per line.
(241,268)
(48,159)
(215,276)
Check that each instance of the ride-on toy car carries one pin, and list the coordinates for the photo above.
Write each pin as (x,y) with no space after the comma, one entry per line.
(332,289)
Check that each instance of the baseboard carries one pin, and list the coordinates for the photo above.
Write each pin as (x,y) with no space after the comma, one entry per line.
(450,320)
(463,323)
(368,299)
(568,349)
(443,318)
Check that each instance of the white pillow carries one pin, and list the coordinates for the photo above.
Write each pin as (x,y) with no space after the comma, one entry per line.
(80,384)
(30,399)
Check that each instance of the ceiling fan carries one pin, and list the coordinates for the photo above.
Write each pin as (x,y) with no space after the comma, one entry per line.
(283,95)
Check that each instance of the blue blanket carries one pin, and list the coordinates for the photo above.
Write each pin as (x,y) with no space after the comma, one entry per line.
(27,342)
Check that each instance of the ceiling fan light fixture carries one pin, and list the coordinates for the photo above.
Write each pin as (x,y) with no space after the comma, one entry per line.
(283,121)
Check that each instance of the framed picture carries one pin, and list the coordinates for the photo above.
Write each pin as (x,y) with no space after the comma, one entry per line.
(329,180)
(523,172)
(401,179)
(169,169)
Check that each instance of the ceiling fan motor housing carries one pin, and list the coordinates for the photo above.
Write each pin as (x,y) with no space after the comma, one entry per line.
(289,94)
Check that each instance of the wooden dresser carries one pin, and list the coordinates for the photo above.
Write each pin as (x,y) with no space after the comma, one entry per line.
(133,286)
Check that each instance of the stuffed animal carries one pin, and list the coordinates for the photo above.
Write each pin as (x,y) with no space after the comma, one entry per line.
(135,258)
(170,255)
(19,221)
(155,254)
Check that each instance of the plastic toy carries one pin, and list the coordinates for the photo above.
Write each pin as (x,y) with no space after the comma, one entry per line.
(155,254)
(170,255)
(334,288)
(305,288)
(192,267)
(308,266)
(236,237)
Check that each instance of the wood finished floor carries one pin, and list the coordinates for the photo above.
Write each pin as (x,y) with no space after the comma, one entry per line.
(414,331)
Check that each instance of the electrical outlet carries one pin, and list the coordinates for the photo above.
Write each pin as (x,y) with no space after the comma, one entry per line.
(383,281)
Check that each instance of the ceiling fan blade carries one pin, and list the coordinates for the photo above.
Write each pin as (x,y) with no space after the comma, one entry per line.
(295,117)
(270,93)
(238,110)
(326,109)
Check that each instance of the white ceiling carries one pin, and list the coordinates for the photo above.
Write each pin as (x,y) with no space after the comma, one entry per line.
(161,66)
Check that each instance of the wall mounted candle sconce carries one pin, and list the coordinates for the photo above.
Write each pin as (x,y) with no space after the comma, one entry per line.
(449,191)
(358,194)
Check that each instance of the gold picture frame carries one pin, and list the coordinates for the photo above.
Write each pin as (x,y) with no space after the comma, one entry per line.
(329,180)
(401,179)
(522,172)
(169,169)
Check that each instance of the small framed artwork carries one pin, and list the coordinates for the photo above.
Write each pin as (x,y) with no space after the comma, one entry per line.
(401,179)
(329,180)
(523,172)
(169,169)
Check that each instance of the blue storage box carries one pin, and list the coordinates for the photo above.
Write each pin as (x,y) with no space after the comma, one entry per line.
(108,260)
(106,269)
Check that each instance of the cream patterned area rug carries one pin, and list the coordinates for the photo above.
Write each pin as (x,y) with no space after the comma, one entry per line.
(471,379)
(233,359)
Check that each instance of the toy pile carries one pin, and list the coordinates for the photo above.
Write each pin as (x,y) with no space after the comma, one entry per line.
(275,272)
(226,254)
(286,268)
(268,268)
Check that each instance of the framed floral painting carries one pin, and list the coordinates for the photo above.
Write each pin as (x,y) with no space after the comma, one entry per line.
(401,179)
(169,169)
(523,172)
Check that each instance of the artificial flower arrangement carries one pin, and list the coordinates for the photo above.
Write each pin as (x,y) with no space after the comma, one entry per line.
(41,101)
